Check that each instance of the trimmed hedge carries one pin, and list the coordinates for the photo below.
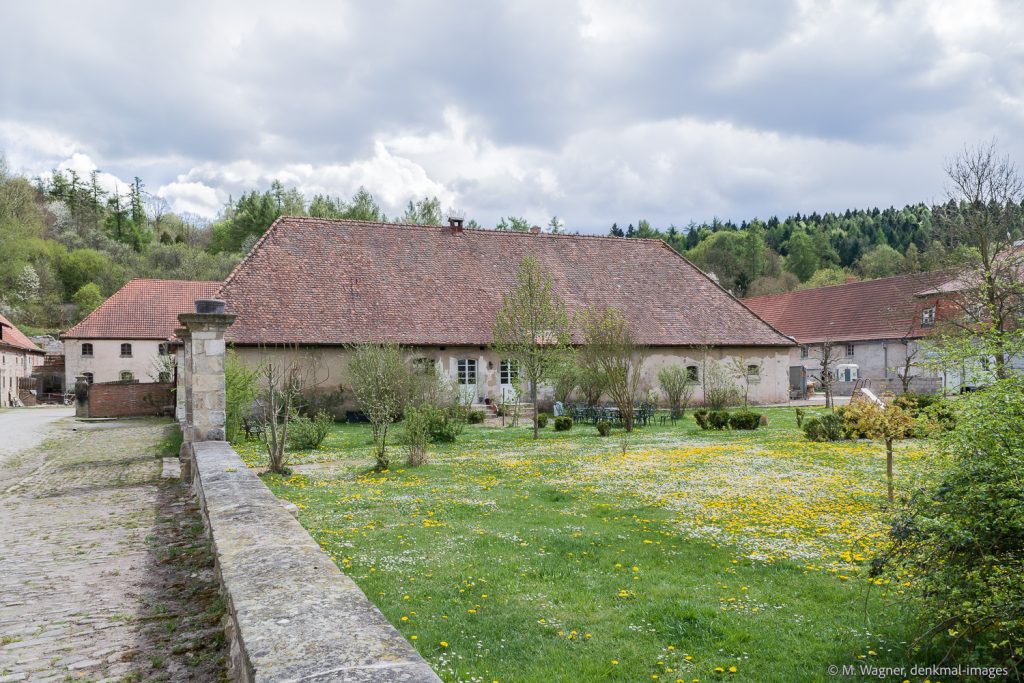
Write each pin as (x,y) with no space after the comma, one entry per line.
(563,424)
(745,419)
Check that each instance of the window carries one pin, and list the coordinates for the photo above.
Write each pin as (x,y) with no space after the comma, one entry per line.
(466,371)
(508,372)
(753,370)
(164,349)
(88,377)
(805,352)
(87,349)
(692,374)
(127,376)
(126,350)
(928,316)
(849,350)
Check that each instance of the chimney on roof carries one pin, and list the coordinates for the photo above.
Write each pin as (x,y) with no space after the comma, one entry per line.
(535,230)
(455,224)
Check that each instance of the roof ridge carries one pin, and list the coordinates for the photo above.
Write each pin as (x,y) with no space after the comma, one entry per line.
(419,226)
(936,273)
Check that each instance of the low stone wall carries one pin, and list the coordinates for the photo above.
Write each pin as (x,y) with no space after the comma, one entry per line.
(293,614)
(130,399)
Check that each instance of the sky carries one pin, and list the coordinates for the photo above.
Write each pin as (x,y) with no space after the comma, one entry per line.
(597,112)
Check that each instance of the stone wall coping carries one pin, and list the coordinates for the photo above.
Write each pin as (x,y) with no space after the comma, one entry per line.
(295,616)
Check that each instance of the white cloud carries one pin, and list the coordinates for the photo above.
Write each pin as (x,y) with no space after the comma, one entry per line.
(590,110)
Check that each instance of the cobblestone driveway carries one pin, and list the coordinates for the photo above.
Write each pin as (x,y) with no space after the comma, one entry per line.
(104,571)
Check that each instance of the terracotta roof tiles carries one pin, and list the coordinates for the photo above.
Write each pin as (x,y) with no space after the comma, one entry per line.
(143,309)
(888,308)
(11,336)
(316,281)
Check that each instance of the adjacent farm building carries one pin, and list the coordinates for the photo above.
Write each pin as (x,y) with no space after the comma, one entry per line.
(18,356)
(126,338)
(872,328)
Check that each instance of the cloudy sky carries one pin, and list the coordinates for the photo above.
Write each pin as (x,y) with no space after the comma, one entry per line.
(594,111)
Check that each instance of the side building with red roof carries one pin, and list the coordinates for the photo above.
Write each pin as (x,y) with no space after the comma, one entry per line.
(126,338)
(872,327)
(317,285)
(18,355)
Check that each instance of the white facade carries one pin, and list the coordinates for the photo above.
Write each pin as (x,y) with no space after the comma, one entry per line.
(112,360)
(16,373)
(479,370)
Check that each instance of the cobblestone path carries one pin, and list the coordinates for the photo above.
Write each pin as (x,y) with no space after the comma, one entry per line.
(104,569)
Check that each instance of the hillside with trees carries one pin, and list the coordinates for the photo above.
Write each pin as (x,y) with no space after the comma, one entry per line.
(67,243)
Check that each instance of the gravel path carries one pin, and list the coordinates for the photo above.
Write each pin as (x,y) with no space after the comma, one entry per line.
(105,573)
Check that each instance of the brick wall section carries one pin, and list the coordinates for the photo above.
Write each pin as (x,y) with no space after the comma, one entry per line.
(130,399)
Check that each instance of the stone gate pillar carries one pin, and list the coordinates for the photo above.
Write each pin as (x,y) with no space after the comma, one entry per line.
(203,379)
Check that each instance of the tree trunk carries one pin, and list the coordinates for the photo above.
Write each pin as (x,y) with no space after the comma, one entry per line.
(888,465)
(536,410)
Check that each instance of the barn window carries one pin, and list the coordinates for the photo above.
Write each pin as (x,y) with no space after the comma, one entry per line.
(849,350)
(928,316)
(87,349)
(127,376)
(88,377)
(126,350)
(692,373)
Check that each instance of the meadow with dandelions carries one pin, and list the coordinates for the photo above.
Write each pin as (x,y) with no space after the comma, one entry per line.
(678,555)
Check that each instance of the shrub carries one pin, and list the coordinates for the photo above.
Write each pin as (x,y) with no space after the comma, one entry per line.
(745,419)
(915,403)
(604,428)
(542,420)
(800,412)
(701,416)
(475,417)
(677,386)
(962,538)
(417,425)
(719,389)
(563,424)
(240,387)
(718,419)
(446,424)
(828,427)
(762,420)
(305,433)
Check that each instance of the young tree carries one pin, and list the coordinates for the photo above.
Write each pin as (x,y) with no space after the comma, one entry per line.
(383,383)
(611,350)
(746,373)
(678,388)
(984,214)
(532,327)
(884,421)
(241,384)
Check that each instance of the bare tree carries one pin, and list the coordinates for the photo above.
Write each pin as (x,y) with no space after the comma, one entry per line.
(980,222)
(610,350)
(827,355)
(678,388)
(283,380)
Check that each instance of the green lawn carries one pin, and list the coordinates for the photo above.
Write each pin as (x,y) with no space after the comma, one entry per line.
(676,557)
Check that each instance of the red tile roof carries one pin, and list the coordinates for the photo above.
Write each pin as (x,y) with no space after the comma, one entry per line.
(872,309)
(315,281)
(11,336)
(143,309)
